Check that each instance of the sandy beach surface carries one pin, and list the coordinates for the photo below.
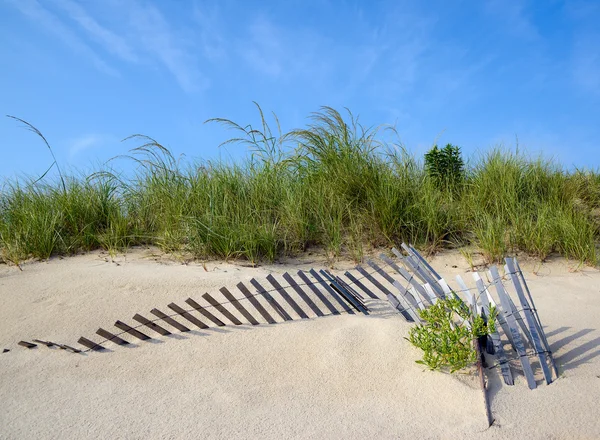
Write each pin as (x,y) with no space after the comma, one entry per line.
(345,376)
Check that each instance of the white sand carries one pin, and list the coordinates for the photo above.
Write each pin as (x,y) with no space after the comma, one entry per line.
(332,377)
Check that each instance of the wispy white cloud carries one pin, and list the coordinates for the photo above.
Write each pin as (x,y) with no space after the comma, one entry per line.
(171,49)
(51,23)
(112,42)
(83,143)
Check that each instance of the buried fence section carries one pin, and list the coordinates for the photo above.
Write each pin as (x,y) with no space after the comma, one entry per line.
(235,303)
(302,294)
(317,292)
(360,285)
(152,325)
(531,321)
(204,312)
(495,336)
(512,325)
(331,291)
(272,301)
(345,292)
(271,279)
(111,337)
(136,333)
(226,313)
(185,314)
(258,306)
(169,320)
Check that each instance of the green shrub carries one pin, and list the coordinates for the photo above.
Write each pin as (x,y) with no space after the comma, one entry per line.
(447,342)
(445,165)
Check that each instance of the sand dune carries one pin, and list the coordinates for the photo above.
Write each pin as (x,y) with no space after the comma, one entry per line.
(344,376)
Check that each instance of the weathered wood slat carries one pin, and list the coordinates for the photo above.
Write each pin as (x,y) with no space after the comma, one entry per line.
(276,306)
(348,288)
(68,347)
(542,333)
(531,322)
(229,297)
(512,325)
(318,293)
(111,337)
(90,344)
(133,332)
(404,274)
(354,302)
(187,316)
(498,348)
(302,294)
(417,267)
(360,285)
(405,307)
(411,278)
(204,312)
(424,261)
(26,344)
(258,306)
(373,281)
(169,320)
(271,279)
(332,292)
(152,325)
(226,313)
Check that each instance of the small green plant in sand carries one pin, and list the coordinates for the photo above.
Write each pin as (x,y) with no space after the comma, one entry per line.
(446,339)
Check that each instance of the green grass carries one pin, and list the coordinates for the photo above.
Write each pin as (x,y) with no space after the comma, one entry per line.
(333,185)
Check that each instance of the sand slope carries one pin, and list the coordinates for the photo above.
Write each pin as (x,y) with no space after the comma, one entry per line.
(332,377)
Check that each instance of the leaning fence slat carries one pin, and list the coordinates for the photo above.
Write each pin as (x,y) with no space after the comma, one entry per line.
(229,297)
(531,322)
(271,279)
(133,332)
(184,314)
(111,337)
(311,285)
(332,292)
(498,348)
(414,252)
(258,306)
(90,344)
(152,325)
(405,304)
(381,287)
(204,312)
(302,294)
(276,306)
(512,325)
(354,302)
(360,285)
(26,344)
(169,320)
(417,268)
(226,313)
(542,334)
(411,278)
(405,275)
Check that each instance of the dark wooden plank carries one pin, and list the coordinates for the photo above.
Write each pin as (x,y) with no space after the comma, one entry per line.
(46,343)
(290,280)
(229,297)
(531,321)
(350,289)
(26,344)
(213,302)
(348,296)
(512,325)
(110,337)
(204,312)
(187,315)
(133,332)
(373,281)
(271,279)
(169,320)
(90,344)
(276,306)
(360,285)
(157,328)
(68,347)
(258,306)
(498,348)
(317,292)
(332,292)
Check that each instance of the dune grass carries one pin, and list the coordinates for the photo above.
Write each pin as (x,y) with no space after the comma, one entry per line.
(333,185)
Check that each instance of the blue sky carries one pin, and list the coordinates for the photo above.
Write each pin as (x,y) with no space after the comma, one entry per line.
(474,73)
